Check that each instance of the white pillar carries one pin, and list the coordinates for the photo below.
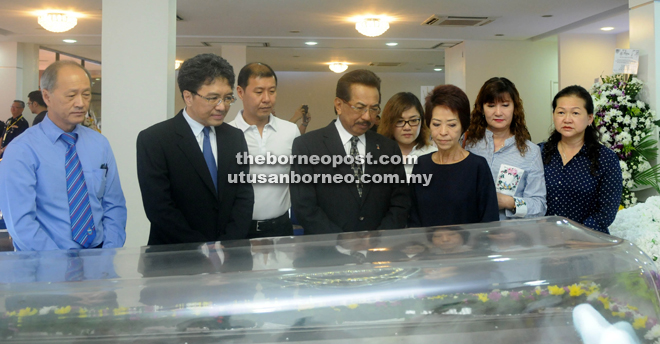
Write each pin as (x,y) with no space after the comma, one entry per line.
(11,74)
(138,50)
(644,32)
(236,56)
(28,58)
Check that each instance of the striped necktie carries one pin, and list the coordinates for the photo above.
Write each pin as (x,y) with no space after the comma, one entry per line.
(80,212)
(357,168)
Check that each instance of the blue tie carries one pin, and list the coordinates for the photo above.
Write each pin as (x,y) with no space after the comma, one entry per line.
(208,156)
(80,212)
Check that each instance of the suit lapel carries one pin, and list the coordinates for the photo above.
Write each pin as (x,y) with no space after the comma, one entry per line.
(334,145)
(190,148)
(373,147)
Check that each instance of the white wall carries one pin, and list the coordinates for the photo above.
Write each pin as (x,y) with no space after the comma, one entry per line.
(584,58)
(455,65)
(531,66)
(317,89)
(623,40)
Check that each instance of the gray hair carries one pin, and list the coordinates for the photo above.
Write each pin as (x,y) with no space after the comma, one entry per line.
(20,102)
(49,78)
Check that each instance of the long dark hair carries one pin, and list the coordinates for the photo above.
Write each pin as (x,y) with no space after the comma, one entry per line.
(495,90)
(591,134)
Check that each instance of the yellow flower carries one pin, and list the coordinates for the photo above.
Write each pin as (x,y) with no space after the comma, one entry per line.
(83,313)
(640,322)
(575,290)
(619,314)
(353,306)
(537,290)
(605,301)
(621,207)
(555,290)
(483,297)
(120,311)
(27,312)
(63,310)
(632,308)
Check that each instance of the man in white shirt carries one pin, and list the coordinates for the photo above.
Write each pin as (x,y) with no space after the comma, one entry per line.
(265,134)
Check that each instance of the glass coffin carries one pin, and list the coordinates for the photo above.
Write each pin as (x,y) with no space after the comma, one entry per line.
(546,280)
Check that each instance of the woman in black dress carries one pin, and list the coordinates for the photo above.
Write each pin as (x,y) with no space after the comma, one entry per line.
(461,189)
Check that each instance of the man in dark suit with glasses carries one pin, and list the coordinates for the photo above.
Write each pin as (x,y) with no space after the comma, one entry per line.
(183,163)
(348,207)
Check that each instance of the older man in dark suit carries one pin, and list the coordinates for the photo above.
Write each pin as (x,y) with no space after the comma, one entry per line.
(348,207)
(184,162)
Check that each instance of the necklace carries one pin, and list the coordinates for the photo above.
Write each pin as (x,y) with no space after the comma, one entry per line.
(561,150)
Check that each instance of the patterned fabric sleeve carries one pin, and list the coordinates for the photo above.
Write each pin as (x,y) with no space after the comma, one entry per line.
(531,201)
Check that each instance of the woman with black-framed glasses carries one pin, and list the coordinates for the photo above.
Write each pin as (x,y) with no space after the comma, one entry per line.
(401,121)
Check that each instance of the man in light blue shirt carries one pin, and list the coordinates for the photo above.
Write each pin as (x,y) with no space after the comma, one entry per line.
(36,197)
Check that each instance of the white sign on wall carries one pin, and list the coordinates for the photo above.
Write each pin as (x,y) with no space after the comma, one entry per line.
(626,61)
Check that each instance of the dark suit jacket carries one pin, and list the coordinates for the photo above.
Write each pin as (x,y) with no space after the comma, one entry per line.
(335,208)
(177,190)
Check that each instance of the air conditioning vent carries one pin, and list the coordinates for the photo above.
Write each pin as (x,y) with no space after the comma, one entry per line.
(385,64)
(456,21)
(249,44)
(445,45)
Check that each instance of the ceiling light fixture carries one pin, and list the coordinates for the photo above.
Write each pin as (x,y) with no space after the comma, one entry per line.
(69,41)
(177,64)
(437,69)
(607,28)
(311,43)
(392,44)
(372,26)
(57,21)
(338,67)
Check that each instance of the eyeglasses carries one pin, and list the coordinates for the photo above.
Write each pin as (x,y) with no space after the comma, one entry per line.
(413,122)
(373,111)
(215,101)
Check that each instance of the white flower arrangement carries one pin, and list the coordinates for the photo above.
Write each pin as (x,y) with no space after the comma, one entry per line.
(626,126)
(640,225)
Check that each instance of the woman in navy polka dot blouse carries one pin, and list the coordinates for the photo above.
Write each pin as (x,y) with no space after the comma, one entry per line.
(582,177)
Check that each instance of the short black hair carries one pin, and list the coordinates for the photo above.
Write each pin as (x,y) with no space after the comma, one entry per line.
(257,70)
(36,96)
(575,91)
(203,69)
(360,77)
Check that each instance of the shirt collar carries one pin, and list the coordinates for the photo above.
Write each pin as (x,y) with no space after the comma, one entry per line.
(345,136)
(243,125)
(194,125)
(52,131)
(489,137)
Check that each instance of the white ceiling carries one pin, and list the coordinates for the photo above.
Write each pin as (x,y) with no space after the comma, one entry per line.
(255,22)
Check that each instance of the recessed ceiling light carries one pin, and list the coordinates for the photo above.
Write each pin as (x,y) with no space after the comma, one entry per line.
(437,69)
(607,28)
(392,44)
(311,43)
(97,79)
(69,41)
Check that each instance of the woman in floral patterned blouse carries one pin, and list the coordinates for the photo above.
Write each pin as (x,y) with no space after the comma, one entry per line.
(498,133)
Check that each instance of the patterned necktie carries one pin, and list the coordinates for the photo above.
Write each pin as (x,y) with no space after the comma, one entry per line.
(80,212)
(75,270)
(208,156)
(357,168)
